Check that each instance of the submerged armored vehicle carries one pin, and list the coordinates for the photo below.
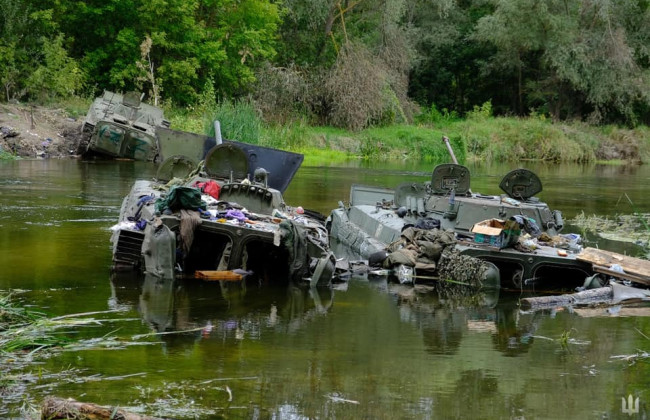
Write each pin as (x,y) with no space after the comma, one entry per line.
(487,227)
(121,126)
(222,215)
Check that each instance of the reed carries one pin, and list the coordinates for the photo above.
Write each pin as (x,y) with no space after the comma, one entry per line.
(24,330)
(239,121)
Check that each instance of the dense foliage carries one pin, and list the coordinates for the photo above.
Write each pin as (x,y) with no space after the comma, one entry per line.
(348,63)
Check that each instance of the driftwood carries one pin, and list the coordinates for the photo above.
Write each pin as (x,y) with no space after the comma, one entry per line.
(601,294)
(58,408)
(612,294)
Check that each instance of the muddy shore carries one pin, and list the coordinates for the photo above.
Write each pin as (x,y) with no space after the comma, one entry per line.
(37,132)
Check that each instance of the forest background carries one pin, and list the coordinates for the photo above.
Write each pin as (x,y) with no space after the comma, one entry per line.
(504,79)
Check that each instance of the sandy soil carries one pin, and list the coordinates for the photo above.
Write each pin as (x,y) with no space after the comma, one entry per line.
(38,132)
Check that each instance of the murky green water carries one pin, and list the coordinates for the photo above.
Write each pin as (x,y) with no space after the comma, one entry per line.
(370,350)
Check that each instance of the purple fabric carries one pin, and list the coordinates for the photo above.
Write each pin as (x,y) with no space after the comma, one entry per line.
(235,214)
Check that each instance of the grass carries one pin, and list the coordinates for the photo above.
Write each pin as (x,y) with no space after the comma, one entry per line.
(26,330)
(479,136)
(4,155)
(505,139)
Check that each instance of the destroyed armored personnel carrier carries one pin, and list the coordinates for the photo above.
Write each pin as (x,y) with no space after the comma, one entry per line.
(121,126)
(221,214)
(487,227)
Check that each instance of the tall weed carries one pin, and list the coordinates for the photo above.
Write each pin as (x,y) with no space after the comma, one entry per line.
(482,112)
(513,139)
(432,116)
(238,119)
(293,136)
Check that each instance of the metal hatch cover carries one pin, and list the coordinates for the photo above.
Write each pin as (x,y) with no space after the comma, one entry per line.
(226,159)
(450,176)
(175,167)
(521,184)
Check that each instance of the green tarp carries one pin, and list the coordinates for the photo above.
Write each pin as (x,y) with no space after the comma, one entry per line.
(181,198)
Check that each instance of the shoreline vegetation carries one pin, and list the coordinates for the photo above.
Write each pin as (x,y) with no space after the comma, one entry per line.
(477,137)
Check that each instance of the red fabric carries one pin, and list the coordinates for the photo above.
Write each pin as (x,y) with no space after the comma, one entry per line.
(210,187)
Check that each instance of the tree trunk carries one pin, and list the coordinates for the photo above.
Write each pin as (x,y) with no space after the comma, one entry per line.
(601,294)
(54,408)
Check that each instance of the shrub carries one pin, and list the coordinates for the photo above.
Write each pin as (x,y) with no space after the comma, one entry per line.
(281,94)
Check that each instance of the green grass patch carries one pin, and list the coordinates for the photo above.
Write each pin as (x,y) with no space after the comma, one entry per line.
(4,155)
(514,139)
(380,143)
(480,136)
(76,107)
(325,157)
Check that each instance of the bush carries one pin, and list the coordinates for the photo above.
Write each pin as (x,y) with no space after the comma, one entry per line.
(281,94)
(432,116)
(358,92)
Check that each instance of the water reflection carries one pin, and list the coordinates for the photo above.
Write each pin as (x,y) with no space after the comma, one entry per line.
(444,315)
(226,311)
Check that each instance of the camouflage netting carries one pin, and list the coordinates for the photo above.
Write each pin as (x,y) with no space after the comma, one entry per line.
(462,268)
(432,250)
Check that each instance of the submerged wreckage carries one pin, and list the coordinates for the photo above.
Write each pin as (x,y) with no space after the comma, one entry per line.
(518,234)
(213,218)
(121,126)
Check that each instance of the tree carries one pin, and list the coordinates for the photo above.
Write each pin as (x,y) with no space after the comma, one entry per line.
(58,75)
(147,67)
(448,70)
(586,55)
(354,56)
(21,29)
(192,41)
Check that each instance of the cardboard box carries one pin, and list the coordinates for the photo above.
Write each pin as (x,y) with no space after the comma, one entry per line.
(496,232)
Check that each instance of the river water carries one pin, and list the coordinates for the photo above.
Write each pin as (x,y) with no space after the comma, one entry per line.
(366,349)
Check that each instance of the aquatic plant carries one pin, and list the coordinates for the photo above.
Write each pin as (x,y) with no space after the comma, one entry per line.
(634,228)
(27,331)
(4,155)
(564,339)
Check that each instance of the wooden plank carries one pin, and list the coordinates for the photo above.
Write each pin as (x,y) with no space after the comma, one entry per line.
(636,267)
(624,276)
(218,275)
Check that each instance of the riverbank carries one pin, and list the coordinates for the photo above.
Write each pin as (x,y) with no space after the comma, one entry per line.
(53,132)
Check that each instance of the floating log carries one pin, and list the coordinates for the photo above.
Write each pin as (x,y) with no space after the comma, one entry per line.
(601,294)
(218,275)
(54,408)
(612,294)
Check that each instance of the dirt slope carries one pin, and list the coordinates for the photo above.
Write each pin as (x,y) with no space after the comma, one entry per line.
(37,132)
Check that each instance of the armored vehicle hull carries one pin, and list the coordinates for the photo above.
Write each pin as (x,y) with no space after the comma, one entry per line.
(516,232)
(120,126)
(219,219)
